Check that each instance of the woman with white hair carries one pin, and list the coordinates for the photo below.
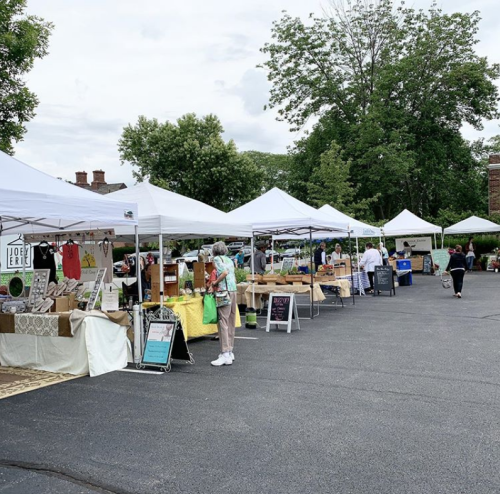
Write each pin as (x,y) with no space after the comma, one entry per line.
(383,253)
(337,253)
(224,286)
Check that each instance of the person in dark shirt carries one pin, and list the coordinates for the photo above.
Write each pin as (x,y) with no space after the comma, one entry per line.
(456,267)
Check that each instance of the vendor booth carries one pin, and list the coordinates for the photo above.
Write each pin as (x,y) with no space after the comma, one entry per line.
(33,204)
(407,223)
(474,224)
(277,213)
(164,215)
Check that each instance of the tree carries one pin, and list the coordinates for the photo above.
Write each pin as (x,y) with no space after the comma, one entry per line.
(191,158)
(23,39)
(330,184)
(393,87)
(275,168)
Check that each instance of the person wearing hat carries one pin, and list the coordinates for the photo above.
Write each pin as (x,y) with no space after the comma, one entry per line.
(259,258)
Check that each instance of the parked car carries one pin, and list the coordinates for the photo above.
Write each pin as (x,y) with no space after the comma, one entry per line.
(207,247)
(234,246)
(191,256)
(117,266)
(275,253)
(291,252)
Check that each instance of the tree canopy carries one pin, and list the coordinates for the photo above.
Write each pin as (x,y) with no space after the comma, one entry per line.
(23,39)
(191,158)
(392,86)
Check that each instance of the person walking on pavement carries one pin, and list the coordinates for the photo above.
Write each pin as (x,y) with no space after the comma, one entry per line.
(370,259)
(456,267)
(470,255)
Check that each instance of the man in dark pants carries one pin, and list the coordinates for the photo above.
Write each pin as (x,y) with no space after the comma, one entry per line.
(320,256)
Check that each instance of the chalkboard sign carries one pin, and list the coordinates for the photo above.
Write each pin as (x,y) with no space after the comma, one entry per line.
(383,280)
(427,269)
(282,310)
(441,258)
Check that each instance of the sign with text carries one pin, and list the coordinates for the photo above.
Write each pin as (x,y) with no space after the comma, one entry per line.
(441,258)
(159,343)
(418,244)
(287,263)
(383,280)
(13,254)
(282,310)
(427,268)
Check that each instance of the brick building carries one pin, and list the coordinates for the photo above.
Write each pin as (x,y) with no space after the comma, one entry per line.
(98,184)
(494,184)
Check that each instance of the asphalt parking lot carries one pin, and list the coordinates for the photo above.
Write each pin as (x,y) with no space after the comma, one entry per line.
(394,395)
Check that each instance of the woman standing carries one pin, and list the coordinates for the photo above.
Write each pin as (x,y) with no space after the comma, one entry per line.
(225,281)
(456,267)
(470,256)
(383,253)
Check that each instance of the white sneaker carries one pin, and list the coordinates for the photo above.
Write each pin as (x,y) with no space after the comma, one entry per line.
(221,361)
(231,354)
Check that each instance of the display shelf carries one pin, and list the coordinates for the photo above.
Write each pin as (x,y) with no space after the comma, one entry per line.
(170,279)
(199,270)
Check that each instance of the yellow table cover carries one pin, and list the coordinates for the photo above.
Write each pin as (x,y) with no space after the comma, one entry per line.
(190,313)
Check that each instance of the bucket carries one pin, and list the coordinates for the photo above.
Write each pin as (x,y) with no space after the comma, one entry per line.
(251,318)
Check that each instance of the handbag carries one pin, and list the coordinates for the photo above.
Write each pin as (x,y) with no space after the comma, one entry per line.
(209,309)
(222,297)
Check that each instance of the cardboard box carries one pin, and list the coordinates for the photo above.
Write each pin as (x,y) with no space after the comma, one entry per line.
(73,303)
(341,271)
(61,304)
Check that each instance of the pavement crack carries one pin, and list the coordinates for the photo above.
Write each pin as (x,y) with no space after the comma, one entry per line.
(57,473)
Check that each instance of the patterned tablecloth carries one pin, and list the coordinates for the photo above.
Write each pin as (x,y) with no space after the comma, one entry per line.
(359,281)
(190,313)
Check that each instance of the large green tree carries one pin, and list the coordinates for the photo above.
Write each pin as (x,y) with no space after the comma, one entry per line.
(190,157)
(393,87)
(23,39)
(275,168)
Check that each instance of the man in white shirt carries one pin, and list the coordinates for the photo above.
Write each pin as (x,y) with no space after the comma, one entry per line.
(370,259)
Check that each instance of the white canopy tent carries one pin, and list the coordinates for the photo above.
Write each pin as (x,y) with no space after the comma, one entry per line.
(474,224)
(407,223)
(175,216)
(278,213)
(33,202)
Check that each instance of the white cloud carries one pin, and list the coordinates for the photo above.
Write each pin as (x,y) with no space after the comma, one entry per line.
(113,60)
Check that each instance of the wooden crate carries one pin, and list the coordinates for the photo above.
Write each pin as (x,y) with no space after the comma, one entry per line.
(199,270)
(170,287)
(256,278)
(417,263)
(295,279)
(273,279)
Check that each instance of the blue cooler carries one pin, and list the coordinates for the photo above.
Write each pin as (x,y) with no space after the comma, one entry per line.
(403,264)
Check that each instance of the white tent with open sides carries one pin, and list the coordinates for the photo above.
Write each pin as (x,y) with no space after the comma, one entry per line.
(407,223)
(33,202)
(474,224)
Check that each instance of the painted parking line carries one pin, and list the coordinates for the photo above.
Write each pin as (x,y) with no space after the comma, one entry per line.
(245,338)
(138,371)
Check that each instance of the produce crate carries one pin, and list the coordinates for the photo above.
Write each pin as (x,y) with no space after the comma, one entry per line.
(273,279)
(417,263)
(256,278)
(295,279)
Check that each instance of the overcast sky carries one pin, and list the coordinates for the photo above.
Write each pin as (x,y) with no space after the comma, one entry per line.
(113,60)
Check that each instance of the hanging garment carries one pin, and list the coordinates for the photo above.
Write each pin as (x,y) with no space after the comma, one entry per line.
(43,258)
(71,261)
(104,255)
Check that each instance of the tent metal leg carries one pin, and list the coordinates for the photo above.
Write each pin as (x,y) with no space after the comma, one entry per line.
(312,275)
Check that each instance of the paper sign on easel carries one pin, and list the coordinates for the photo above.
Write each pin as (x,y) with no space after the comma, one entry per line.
(282,310)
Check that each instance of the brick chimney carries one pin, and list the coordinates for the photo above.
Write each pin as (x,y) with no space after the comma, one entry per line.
(81,178)
(494,183)
(98,179)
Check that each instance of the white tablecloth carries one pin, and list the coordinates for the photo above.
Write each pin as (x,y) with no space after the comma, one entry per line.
(98,346)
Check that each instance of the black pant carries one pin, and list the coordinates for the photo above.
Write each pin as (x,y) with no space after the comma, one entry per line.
(371,274)
(458,279)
